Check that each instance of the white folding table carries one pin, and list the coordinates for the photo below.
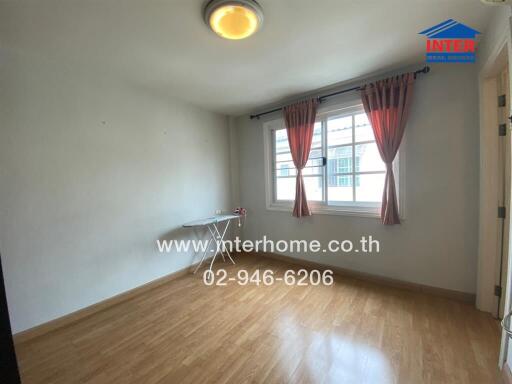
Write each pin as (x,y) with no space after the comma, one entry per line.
(213,224)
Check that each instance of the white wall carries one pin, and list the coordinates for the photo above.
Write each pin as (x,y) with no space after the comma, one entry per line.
(437,243)
(93,171)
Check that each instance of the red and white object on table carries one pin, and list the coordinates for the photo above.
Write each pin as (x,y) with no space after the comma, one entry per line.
(241,212)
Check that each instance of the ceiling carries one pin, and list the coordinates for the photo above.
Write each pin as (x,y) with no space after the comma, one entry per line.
(165,46)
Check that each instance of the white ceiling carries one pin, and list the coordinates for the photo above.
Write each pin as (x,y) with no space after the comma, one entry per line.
(165,46)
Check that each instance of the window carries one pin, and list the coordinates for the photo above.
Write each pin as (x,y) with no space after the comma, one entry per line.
(285,172)
(344,171)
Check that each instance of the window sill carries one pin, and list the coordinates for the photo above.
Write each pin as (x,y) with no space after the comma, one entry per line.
(371,212)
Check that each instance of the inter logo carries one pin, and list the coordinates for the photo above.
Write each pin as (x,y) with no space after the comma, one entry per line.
(450,42)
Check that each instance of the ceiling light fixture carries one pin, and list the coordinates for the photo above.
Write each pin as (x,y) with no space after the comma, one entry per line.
(233,19)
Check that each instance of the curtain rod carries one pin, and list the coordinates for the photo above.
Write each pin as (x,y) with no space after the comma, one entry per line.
(425,69)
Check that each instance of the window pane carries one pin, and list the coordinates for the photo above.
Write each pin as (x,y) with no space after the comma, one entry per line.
(315,157)
(285,164)
(291,171)
(281,143)
(317,135)
(370,187)
(341,190)
(312,171)
(339,160)
(363,129)
(314,188)
(340,186)
(313,166)
(283,149)
(285,169)
(286,156)
(368,158)
(339,130)
(285,188)
(343,159)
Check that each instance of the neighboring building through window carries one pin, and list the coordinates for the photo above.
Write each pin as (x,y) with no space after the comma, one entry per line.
(344,166)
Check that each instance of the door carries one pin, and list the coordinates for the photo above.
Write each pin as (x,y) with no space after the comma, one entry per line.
(8,365)
(504,190)
(504,167)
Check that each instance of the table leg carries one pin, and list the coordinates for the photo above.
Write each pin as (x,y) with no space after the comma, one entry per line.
(204,255)
(222,238)
(220,244)
(218,240)
(211,264)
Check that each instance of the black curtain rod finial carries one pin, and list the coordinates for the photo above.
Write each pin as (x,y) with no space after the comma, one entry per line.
(425,69)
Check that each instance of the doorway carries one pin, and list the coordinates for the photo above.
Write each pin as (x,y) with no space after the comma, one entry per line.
(494,185)
(493,282)
(503,108)
(9,366)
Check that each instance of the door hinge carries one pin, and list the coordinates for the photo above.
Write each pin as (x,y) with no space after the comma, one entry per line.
(502,212)
(497,290)
(502,100)
(502,129)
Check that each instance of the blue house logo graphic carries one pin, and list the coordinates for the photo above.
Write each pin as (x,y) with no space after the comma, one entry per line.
(450,42)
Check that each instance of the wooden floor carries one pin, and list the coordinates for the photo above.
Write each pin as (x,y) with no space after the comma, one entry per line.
(351,332)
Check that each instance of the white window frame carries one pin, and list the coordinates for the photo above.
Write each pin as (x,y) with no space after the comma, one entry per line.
(348,208)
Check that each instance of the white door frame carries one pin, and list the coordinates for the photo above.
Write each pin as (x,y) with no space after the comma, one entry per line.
(488,250)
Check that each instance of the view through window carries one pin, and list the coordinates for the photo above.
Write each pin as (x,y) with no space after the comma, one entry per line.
(344,166)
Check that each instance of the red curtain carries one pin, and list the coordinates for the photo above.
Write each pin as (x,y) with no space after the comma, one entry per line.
(300,121)
(387,103)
